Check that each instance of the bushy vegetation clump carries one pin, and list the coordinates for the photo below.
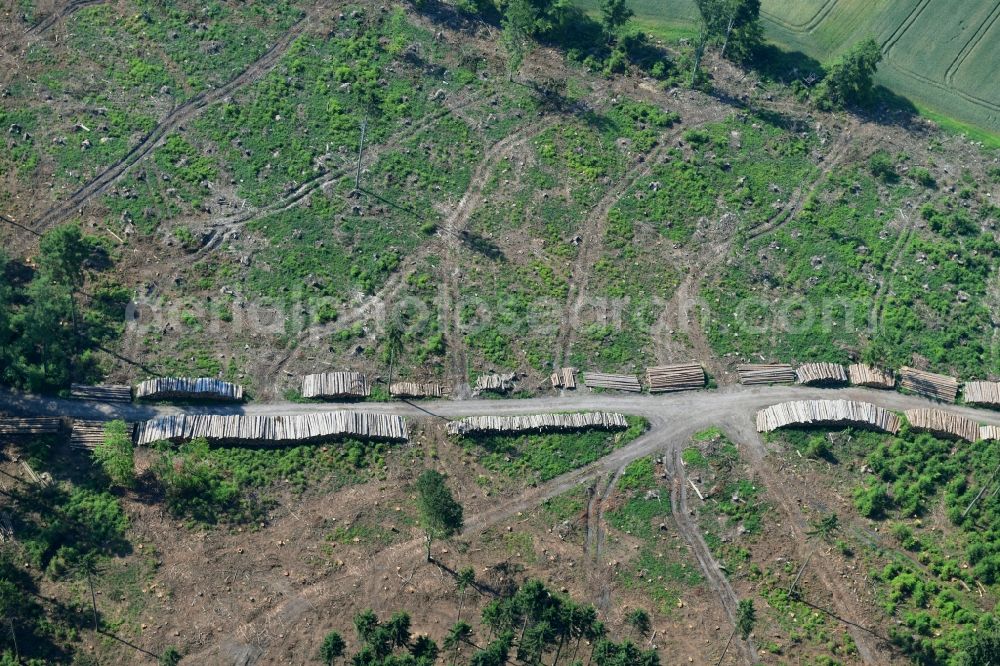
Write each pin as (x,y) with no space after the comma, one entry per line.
(50,331)
(937,583)
(212,485)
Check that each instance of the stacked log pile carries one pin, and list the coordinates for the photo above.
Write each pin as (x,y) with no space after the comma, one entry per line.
(336,385)
(200,388)
(943,424)
(988,432)
(38,425)
(827,412)
(765,373)
(537,423)
(680,377)
(272,429)
(862,374)
(821,374)
(101,393)
(500,383)
(982,393)
(564,378)
(611,381)
(415,390)
(939,387)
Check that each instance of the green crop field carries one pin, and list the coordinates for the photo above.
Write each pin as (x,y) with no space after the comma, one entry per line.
(937,54)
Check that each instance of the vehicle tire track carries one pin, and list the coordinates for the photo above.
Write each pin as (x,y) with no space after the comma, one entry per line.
(320,181)
(598,578)
(868,647)
(56,16)
(451,233)
(807,26)
(898,33)
(592,244)
(973,42)
(181,114)
(802,194)
(897,252)
(691,533)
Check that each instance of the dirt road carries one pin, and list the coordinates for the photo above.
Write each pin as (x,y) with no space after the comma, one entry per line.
(672,420)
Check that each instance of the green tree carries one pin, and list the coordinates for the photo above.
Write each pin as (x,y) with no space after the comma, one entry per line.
(366,623)
(736,23)
(398,629)
(332,648)
(440,515)
(850,80)
(746,617)
(424,650)
(116,455)
(615,14)
(638,619)
(608,653)
(496,653)
(62,253)
(518,25)
(743,34)
(47,344)
(170,657)
(466,577)
(459,633)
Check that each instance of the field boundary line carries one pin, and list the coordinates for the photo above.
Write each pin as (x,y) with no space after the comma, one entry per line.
(806,27)
(971,45)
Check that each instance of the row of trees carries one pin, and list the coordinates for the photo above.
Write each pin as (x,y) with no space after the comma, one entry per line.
(528,626)
(49,328)
(733,25)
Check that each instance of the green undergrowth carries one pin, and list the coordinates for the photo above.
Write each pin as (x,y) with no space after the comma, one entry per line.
(732,516)
(936,565)
(723,178)
(539,457)
(546,194)
(660,569)
(122,68)
(566,507)
(210,485)
(848,276)
(801,628)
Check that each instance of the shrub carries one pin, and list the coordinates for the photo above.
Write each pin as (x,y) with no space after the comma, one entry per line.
(923,177)
(115,454)
(871,502)
(817,447)
(883,167)
(195,488)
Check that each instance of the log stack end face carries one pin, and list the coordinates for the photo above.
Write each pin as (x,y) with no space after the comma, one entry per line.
(473,425)
(800,413)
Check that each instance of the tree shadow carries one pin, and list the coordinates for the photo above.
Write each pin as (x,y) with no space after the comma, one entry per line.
(481,245)
(786,67)
(889,108)
(479,586)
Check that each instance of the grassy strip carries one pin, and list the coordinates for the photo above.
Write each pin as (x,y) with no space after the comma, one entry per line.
(540,457)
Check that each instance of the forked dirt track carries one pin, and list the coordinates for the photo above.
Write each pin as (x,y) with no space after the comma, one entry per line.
(672,420)
(183,113)
(688,527)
